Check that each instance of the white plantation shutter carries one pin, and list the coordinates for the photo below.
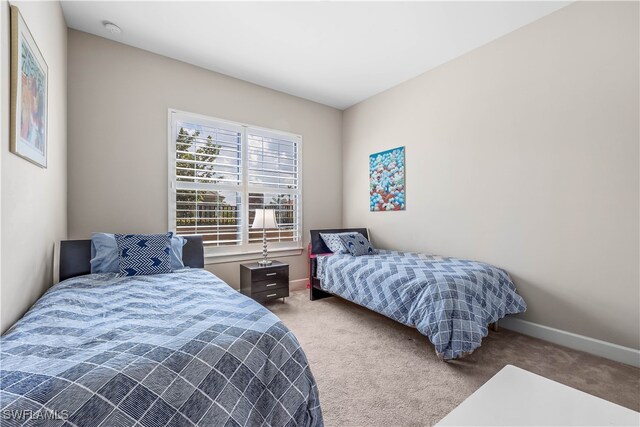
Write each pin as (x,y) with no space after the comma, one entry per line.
(272,161)
(220,172)
(208,180)
(273,183)
(209,213)
(208,153)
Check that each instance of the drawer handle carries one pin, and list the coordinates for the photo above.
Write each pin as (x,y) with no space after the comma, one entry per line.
(271,284)
(271,295)
(271,274)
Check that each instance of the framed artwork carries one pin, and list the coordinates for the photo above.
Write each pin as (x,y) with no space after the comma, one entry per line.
(387,180)
(29,73)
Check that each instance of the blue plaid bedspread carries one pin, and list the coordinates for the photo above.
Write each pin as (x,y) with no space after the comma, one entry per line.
(179,349)
(449,300)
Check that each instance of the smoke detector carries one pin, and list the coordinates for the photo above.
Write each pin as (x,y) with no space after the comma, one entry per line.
(111,27)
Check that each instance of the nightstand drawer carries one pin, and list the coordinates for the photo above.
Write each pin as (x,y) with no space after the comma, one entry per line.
(272,294)
(270,273)
(267,285)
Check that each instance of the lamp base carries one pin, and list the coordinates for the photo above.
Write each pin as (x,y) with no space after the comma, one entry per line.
(265,263)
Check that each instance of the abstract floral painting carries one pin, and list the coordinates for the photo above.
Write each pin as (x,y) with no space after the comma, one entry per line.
(386,180)
(28,94)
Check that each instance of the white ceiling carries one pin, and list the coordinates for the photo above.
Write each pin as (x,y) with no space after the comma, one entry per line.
(335,53)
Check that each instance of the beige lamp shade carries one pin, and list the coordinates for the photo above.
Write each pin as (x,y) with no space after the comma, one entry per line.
(265,219)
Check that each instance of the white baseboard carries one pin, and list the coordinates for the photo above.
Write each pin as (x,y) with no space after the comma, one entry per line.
(298,284)
(600,348)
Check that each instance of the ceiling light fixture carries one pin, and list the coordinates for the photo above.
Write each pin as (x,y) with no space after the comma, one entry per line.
(111,27)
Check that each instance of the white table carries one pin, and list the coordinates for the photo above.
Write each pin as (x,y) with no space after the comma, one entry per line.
(515,397)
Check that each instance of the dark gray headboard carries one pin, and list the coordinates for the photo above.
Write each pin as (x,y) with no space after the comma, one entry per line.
(75,256)
(319,247)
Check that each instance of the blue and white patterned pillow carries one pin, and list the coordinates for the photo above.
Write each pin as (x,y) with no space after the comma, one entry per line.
(357,244)
(333,242)
(143,254)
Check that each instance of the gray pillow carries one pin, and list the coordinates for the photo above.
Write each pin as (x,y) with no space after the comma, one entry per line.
(104,253)
(333,242)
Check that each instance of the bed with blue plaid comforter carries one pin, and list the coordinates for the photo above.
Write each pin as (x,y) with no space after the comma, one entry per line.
(450,300)
(180,349)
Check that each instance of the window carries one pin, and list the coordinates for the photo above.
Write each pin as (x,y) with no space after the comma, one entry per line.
(221,172)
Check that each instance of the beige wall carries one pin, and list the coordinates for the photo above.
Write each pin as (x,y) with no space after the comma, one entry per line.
(34,201)
(118,173)
(522,153)
(4,121)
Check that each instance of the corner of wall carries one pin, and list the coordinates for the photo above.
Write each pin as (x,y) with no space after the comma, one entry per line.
(33,200)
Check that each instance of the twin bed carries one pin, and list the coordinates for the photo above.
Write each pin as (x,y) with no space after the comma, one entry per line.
(178,349)
(451,301)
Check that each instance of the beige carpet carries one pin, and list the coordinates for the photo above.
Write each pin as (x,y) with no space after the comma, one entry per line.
(372,371)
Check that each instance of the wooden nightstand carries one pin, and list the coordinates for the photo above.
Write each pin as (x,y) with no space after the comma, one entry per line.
(265,283)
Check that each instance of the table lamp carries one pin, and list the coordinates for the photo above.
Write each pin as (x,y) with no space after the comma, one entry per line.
(264,219)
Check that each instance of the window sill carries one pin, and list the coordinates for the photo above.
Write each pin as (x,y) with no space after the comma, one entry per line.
(249,256)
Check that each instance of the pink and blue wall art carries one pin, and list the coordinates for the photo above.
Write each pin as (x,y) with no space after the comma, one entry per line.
(386,180)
